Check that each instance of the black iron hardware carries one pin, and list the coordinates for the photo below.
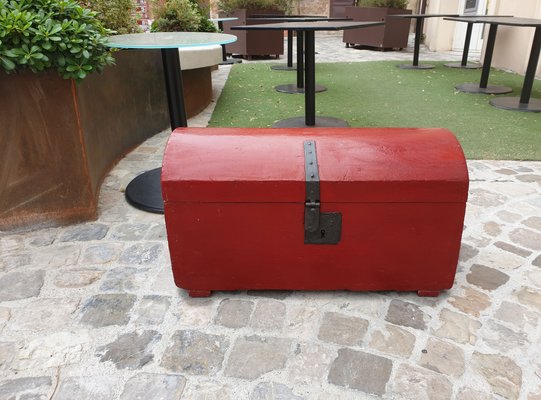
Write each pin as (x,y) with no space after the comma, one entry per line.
(319,228)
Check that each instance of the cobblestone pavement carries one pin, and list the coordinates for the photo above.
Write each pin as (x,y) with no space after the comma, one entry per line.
(90,311)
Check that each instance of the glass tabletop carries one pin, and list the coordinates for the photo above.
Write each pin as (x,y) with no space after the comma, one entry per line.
(168,40)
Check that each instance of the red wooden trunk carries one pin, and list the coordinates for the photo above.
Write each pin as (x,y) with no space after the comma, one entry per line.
(235,202)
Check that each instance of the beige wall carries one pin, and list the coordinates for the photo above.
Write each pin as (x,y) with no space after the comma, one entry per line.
(513,44)
(438,32)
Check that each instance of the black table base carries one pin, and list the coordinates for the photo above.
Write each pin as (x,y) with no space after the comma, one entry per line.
(465,66)
(284,67)
(292,88)
(489,89)
(145,193)
(321,122)
(513,103)
(418,66)
(231,61)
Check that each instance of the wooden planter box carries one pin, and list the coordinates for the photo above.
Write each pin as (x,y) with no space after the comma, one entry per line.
(337,8)
(59,139)
(253,43)
(392,35)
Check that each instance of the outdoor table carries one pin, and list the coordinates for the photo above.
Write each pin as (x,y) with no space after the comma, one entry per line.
(524,102)
(225,60)
(292,88)
(467,39)
(464,63)
(288,18)
(308,29)
(144,191)
(419,21)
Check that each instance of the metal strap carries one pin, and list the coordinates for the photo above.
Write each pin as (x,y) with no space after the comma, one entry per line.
(312,205)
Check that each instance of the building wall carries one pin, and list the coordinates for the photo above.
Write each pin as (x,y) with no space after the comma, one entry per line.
(438,32)
(513,44)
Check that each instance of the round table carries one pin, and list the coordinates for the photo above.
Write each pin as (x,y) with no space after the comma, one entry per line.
(144,191)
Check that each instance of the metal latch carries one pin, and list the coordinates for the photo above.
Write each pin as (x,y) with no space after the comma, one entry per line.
(319,228)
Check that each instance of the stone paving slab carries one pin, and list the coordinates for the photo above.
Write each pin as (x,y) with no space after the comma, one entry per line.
(90,311)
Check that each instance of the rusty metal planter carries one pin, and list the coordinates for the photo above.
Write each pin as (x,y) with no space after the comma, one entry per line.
(392,35)
(59,139)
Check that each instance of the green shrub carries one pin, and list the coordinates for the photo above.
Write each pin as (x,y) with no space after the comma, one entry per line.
(56,35)
(117,15)
(180,16)
(226,6)
(384,3)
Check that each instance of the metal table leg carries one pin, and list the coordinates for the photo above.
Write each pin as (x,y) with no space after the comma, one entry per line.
(144,191)
(525,102)
(289,66)
(483,86)
(418,32)
(299,87)
(310,119)
(225,60)
(464,63)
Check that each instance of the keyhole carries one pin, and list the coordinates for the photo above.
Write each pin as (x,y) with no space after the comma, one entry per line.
(322,233)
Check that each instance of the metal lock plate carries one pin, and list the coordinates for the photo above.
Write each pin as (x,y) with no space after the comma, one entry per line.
(319,228)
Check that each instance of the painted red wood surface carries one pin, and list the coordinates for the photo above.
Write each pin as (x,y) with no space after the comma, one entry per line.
(234,208)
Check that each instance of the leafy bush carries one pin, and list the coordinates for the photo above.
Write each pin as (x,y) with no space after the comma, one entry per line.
(52,34)
(226,6)
(180,16)
(384,3)
(117,15)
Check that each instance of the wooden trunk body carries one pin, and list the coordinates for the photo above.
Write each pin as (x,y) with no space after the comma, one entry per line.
(235,209)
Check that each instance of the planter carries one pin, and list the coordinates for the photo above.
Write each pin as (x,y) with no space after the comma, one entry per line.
(392,35)
(60,139)
(337,8)
(253,43)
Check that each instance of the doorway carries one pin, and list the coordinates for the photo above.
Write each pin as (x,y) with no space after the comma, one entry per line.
(470,7)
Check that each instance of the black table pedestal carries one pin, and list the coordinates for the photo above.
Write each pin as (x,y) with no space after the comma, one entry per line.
(468,65)
(483,86)
(513,103)
(228,61)
(525,102)
(299,87)
(464,63)
(225,60)
(320,122)
(309,120)
(488,89)
(418,32)
(413,66)
(293,88)
(289,66)
(144,191)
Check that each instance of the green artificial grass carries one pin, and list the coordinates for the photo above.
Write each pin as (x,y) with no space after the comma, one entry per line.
(377,94)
